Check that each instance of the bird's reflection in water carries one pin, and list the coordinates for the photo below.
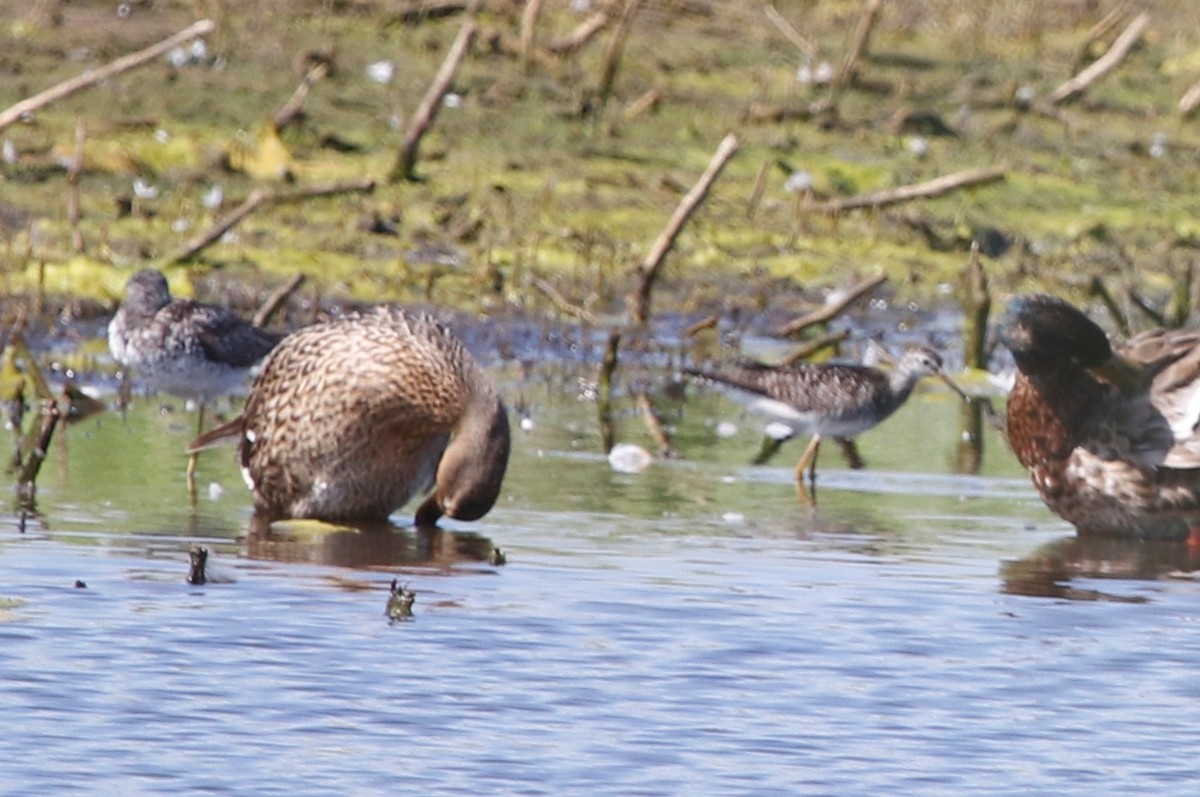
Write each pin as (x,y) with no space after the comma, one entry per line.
(1049,570)
(365,546)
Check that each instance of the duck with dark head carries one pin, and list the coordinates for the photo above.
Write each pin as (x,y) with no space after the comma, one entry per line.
(1109,436)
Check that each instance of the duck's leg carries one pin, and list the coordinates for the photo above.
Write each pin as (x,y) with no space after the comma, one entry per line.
(808,461)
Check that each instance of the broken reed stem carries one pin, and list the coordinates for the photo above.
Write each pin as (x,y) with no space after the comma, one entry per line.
(431,103)
(804,351)
(604,388)
(529,16)
(276,300)
(1077,85)
(562,303)
(73,198)
(907,193)
(639,310)
(978,301)
(802,43)
(612,54)
(584,32)
(830,311)
(862,37)
(294,107)
(253,201)
(1099,288)
(94,76)
(27,482)
(657,431)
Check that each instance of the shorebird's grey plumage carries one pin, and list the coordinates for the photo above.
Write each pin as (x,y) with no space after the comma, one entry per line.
(825,400)
(351,418)
(183,347)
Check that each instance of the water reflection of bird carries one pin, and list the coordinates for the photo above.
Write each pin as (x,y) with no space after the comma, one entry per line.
(1110,438)
(826,400)
(186,348)
(351,418)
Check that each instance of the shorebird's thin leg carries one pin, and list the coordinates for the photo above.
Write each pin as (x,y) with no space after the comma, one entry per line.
(850,450)
(808,461)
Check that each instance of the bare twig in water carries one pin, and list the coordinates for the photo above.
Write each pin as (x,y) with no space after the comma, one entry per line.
(655,425)
(563,303)
(94,76)
(1103,65)
(27,481)
(604,389)
(431,103)
(907,193)
(276,300)
(977,301)
(830,311)
(639,310)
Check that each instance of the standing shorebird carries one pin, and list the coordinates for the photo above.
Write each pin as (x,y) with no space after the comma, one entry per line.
(826,400)
(350,419)
(1110,438)
(186,348)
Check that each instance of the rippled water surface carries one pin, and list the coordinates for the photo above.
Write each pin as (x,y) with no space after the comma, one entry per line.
(691,629)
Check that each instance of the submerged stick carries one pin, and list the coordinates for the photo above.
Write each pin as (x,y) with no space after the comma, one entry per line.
(639,310)
(94,76)
(907,193)
(604,389)
(1102,65)
(828,312)
(431,103)
(655,425)
(27,481)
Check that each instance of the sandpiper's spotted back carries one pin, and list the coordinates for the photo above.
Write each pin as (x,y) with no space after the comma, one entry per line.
(350,419)
(183,347)
(1110,439)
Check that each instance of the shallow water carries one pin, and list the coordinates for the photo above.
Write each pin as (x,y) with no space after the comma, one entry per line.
(691,629)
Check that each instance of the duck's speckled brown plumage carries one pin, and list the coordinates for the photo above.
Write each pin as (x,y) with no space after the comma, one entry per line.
(350,419)
(1110,438)
(186,348)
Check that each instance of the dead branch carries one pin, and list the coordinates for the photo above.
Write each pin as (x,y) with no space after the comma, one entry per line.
(977,301)
(907,193)
(708,322)
(73,198)
(655,425)
(644,103)
(604,388)
(431,103)
(27,482)
(862,37)
(1097,287)
(276,300)
(583,33)
(639,310)
(1106,25)
(803,43)
(564,304)
(210,236)
(612,54)
(529,17)
(830,311)
(253,201)
(805,351)
(94,76)
(1103,65)
(292,109)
